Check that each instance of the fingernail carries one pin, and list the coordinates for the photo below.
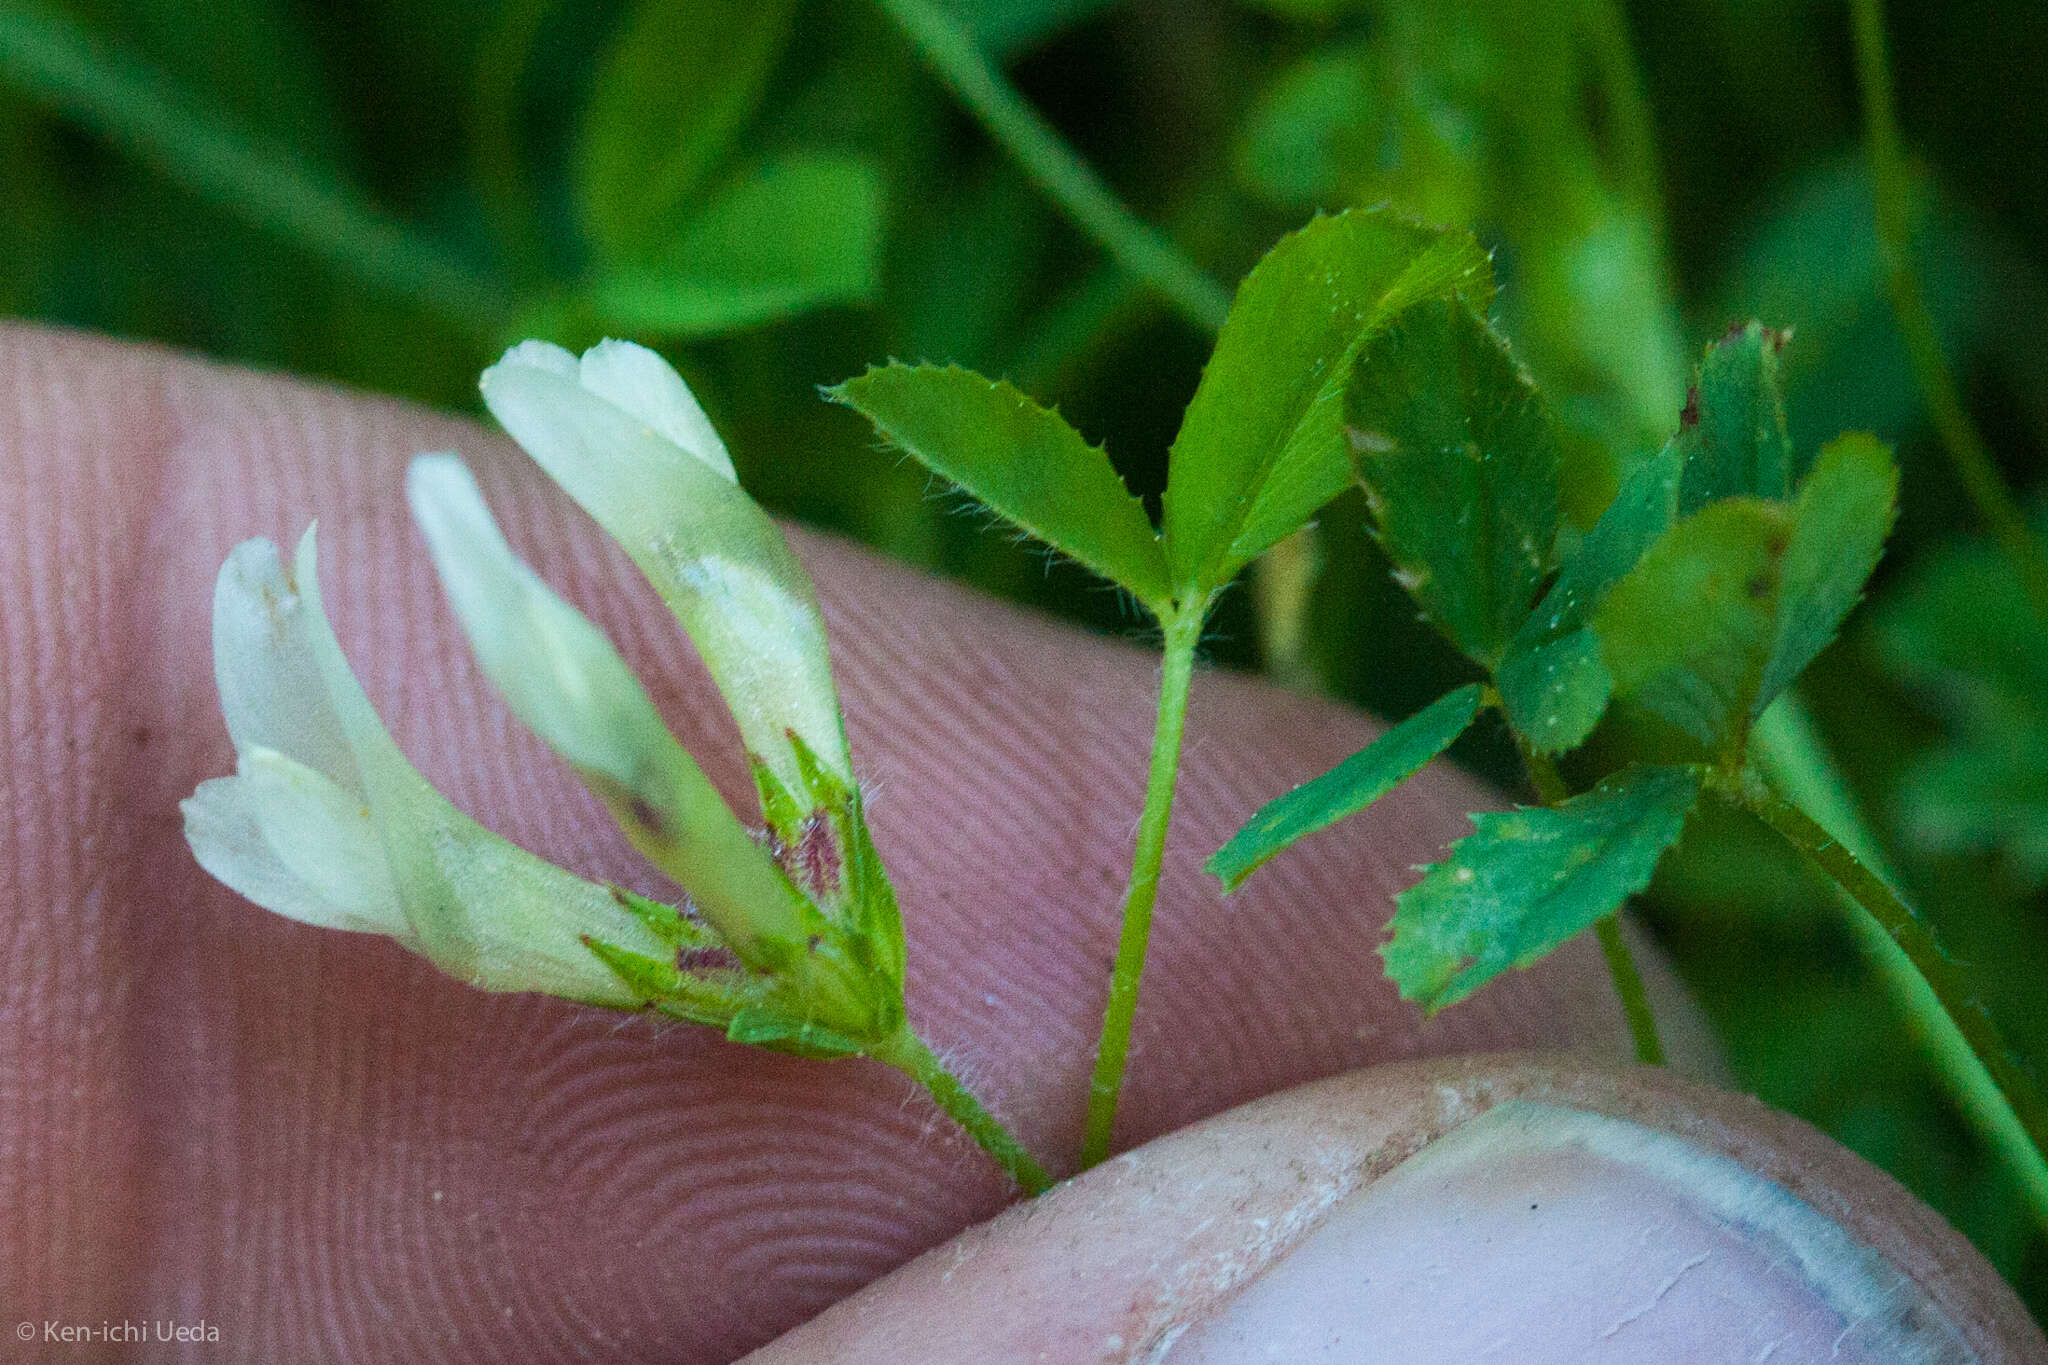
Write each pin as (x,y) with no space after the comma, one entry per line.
(1536,1233)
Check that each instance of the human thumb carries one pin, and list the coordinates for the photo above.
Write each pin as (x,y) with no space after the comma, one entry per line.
(1503,1208)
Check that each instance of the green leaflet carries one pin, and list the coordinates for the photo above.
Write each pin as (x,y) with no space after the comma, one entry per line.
(673,90)
(1262,445)
(799,233)
(1732,432)
(1460,468)
(1348,788)
(1687,633)
(1556,692)
(1553,685)
(1844,512)
(1526,881)
(1732,603)
(1020,459)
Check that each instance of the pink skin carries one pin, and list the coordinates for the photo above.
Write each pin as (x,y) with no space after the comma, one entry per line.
(318,1144)
(1520,1208)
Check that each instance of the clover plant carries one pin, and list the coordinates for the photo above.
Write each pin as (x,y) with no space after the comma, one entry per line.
(1358,350)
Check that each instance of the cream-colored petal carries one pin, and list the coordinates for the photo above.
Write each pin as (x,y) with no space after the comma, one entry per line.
(223,828)
(485,910)
(563,678)
(694,534)
(324,836)
(271,690)
(640,382)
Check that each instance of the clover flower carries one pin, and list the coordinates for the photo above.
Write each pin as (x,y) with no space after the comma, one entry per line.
(790,940)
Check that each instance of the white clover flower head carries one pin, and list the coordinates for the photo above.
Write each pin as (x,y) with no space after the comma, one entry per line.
(793,944)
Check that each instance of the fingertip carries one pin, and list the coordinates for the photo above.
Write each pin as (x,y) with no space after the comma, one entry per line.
(1513,1208)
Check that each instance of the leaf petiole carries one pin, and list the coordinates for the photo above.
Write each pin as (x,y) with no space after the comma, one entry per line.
(1621,963)
(1183,632)
(1947,1009)
(911,1055)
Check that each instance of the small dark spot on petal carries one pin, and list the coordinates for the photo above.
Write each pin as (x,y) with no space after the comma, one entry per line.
(1689,415)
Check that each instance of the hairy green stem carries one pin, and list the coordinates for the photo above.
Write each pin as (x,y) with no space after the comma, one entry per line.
(1621,963)
(60,66)
(1628,984)
(1947,1010)
(1183,631)
(1070,182)
(1891,187)
(1793,759)
(910,1054)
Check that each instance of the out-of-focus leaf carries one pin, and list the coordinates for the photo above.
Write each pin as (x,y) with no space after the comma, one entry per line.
(1732,432)
(1006,28)
(1309,11)
(1346,789)
(1526,881)
(1553,684)
(55,63)
(672,91)
(1811,265)
(1460,468)
(1475,111)
(1263,443)
(799,234)
(1020,459)
(1591,314)
(1350,125)
(1312,131)
(1962,631)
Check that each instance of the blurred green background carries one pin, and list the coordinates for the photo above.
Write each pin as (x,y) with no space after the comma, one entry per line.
(779,192)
